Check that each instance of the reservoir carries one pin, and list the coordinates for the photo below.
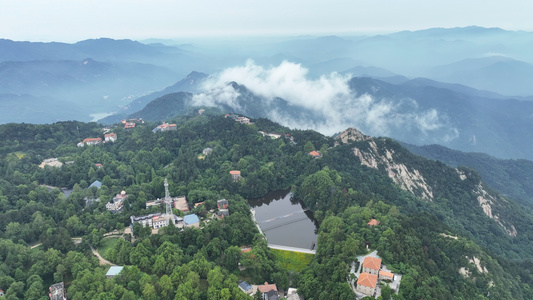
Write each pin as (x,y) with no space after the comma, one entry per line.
(284,220)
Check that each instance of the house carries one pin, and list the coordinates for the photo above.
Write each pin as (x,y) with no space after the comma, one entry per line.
(315,154)
(57,291)
(366,283)
(110,137)
(274,135)
(384,275)
(207,151)
(198,204)
(373,222)
(117,204)
(371,265)
(191,221)
(96,183)
(223,213)
(243,120)
(1,293)
(165,127)
(113,271)
(181,203)
(98,165)
(129,125)
(51,162)
(222,204)
(245,249)
(235,175)
(245,287)
(92,141)
(269,291)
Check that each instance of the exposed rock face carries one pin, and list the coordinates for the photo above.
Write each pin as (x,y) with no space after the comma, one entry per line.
(477,263)
(408,179)
(486,202)
(351,135)
(411,179)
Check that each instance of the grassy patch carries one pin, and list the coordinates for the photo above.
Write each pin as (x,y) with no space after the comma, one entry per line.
(107,244)
(293,261)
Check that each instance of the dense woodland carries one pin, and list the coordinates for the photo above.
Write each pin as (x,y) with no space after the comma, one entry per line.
(203,263)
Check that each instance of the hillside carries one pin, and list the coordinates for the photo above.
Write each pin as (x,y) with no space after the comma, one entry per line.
(512,178)
(440,227)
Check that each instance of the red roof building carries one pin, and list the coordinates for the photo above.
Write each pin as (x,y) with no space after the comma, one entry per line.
(372,265)
(265,288)
(315,154)
(366,283)
(373,222)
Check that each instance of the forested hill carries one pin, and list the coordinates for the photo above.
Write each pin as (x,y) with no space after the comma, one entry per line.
(510,177)
(434,229)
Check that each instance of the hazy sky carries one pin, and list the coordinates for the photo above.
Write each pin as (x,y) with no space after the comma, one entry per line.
(73,20)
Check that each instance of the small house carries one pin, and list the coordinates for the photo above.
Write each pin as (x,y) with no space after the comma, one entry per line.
(57,291)
(315,154)
(222,204)
(372,265)
(269,291)
(373,222)
(223,213)
(245,287)
(96,183)
(191,221)
(113,271)
(235,175)
(110,137)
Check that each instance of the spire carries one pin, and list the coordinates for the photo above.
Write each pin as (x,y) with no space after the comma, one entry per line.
(168,201)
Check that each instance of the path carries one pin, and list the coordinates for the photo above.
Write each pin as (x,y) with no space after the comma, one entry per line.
(102,260)
(292,249)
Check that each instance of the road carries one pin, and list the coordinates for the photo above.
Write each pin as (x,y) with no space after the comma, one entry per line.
(102,260)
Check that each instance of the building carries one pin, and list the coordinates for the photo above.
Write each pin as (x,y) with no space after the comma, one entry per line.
(373,222)
(191,221)
(223,213)
(57,291)
(292,294)
(235,175)
(245,287)
(222,204)
(371,265)
(51,162)
(165,127)
(366,283)
(129,125)
(161,221)
(110,137)
(113,271)
(117,204)
(384,275)
(315,154)
(96,183)
(146,220)
(269,291)
(198,204)
(274,135)
(98,165)
(1,293)
(207,151)
(90,142)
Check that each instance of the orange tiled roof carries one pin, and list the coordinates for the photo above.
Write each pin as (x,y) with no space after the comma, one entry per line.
(386,274)
(373,222)
(89,140)
(373,263)
(366,279)
(235,172)
(265,288)
(314,153)
(111,135)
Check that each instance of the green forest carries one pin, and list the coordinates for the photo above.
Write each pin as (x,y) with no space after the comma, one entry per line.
(41,226)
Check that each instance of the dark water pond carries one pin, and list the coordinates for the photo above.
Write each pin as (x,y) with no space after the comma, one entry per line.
(284,220)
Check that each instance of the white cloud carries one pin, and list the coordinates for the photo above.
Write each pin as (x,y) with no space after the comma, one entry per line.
(334,105)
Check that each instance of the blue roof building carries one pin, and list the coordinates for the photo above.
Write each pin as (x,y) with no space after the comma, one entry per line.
(191,220)
(96,183)
(113,271)
(245,287)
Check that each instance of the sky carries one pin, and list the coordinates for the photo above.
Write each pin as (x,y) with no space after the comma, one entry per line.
(74,20)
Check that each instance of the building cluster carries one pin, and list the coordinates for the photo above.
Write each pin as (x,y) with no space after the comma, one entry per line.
(117,203)
(371,273)
(108,137)
(165,127)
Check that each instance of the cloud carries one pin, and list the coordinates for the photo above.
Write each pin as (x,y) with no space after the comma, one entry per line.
(333,105)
